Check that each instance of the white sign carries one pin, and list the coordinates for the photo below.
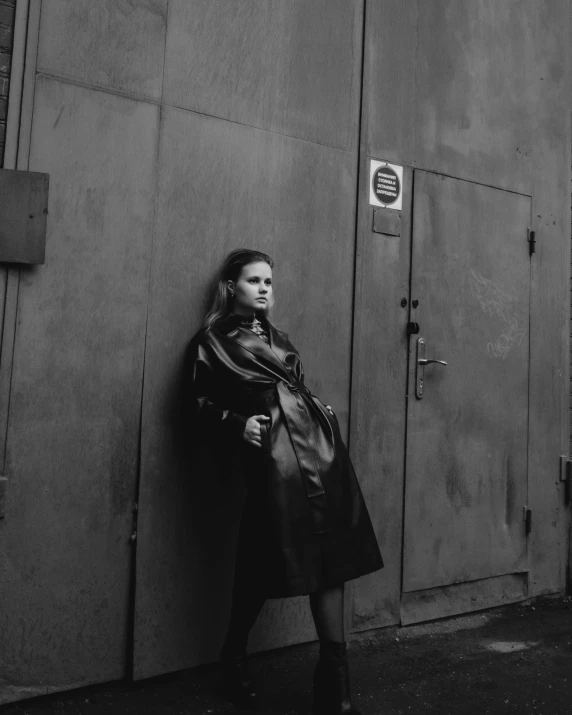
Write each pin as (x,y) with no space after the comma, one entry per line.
(385,185)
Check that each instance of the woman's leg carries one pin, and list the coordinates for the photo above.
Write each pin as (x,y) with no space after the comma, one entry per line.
(328,612)
(247,602)
(243,615)
(249,589)
(246,605)
(331,677)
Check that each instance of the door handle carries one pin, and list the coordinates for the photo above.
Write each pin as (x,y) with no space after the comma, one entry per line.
(420,364)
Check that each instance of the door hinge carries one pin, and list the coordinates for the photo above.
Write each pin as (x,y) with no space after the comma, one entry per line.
(566,477)
(527,517)
(531,241)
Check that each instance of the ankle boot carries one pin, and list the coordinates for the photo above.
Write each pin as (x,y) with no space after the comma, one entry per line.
(332,682)
(237,683)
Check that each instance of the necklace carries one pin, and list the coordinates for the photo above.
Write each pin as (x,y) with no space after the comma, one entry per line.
(256,327)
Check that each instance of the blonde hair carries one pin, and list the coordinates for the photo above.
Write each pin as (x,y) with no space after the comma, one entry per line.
(231,269)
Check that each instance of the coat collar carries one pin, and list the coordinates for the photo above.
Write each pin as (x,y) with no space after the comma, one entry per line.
(232,326)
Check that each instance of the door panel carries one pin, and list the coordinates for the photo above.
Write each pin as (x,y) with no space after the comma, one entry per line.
(114,45)
(72,444)
(391,30)
(477,69)
(221,186)
(466,460)
(289,67)
(443,601)
(378,399)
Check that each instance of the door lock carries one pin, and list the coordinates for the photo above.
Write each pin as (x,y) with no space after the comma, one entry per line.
(412,328)
(420,364)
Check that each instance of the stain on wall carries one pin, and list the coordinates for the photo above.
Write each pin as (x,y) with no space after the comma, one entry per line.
(7,15)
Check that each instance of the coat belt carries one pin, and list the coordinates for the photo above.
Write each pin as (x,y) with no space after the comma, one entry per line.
(301,430)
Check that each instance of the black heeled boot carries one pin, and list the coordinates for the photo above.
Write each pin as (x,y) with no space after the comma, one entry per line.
(237,683)
(332,681)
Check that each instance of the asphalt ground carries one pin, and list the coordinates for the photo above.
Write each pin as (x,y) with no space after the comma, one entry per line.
(513,659)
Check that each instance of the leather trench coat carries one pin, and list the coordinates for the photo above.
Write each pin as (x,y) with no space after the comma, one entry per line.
(305,525)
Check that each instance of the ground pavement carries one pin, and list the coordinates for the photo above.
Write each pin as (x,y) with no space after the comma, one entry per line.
(514,659)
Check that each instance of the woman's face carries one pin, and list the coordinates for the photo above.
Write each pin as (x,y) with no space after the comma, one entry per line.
(253,289)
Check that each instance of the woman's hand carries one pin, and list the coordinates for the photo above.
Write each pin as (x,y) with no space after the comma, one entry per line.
(252,432)
(329,409)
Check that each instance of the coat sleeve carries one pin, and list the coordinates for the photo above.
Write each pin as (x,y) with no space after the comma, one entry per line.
(207,410)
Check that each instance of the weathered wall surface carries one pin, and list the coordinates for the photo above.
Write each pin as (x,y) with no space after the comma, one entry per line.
(173,131)
(7,16)
(258,148)
(478,91)
(164,153)
(73,428)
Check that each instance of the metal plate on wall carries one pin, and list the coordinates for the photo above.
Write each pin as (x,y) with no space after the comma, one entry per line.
(287,67)
(73,430)
(23,216)
(293,200)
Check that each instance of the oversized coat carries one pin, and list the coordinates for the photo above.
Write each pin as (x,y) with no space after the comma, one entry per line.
(305,525)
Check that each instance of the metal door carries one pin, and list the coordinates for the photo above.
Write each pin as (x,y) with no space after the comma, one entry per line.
(467,421)
(75,396)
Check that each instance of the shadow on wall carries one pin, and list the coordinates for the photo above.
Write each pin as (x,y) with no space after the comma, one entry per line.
(204,508)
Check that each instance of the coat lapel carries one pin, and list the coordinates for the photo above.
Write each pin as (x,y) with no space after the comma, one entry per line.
(278,342)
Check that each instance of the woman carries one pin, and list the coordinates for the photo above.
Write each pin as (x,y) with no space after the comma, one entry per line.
(305,528)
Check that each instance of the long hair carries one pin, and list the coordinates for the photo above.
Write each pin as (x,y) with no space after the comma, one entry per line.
(221,304)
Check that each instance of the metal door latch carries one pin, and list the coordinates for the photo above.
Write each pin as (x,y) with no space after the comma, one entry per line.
(527,518)
(420,364)
(531,241)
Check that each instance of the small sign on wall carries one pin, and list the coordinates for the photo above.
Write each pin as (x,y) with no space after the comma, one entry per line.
(385,185)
